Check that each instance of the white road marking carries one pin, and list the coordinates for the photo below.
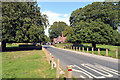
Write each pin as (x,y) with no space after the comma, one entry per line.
(108,69)
(87,66)
(81,76)
(102,70)
(83,73)
(89,73)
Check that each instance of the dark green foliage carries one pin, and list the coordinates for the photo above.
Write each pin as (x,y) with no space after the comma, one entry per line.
(22,22)
(95,23)
(56,29)
(104,11)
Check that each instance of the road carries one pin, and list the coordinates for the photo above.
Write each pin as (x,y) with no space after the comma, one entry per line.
(85,65)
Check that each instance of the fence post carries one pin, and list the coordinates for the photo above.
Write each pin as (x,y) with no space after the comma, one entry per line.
(57,69)
(49,57)
(71,47)
(76,48)
(45,52)
(83,49)
(92,50)
(98,51)
(106,52)
(79,48)
(87,49)
(52,62)
(69,72)
(116,53)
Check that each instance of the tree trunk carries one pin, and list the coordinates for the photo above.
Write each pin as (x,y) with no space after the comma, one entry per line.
(3,46)
(94,46)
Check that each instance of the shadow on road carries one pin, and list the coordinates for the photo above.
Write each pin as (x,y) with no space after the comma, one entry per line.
(46,47)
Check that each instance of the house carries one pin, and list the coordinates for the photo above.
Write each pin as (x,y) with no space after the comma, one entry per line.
(59,39)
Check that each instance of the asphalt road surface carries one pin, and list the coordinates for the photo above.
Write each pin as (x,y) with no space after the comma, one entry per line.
(85,65)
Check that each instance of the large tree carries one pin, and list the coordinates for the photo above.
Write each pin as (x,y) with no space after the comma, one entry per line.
(95,23)
(56,29)
(68,32)
(22,22)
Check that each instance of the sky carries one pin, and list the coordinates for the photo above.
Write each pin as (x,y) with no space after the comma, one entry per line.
(59,11)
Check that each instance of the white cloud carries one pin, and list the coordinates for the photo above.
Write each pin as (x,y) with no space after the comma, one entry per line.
(52,17)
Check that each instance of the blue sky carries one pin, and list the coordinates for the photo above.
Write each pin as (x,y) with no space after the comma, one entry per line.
(61,7)
(59,11)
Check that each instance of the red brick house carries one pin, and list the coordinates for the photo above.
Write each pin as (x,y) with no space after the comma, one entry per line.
(59,39)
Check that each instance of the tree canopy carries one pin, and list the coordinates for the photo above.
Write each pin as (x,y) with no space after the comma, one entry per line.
(95,23)
(56,29)
(22,22)
(68,32)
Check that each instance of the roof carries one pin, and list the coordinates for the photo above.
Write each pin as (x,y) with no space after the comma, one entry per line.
(59,39)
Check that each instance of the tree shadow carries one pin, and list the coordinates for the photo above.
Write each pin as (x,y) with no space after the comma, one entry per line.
(23,48)
(47,47)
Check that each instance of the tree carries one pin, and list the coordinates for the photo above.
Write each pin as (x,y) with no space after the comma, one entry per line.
(56,29)
(68,32)
(95,23)
(22,22)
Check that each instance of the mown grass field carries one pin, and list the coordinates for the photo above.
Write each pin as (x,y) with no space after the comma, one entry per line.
(11,45)
(26,64)
(111,52)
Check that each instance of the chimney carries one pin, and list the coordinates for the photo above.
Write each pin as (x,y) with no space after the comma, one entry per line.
(62,34)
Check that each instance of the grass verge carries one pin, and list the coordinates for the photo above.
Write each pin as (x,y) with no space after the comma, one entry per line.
(26,64)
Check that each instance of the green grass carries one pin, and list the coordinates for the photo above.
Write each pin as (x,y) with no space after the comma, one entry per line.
(111,52)
(111,47)
(103,53)
(26,64)
(11,45)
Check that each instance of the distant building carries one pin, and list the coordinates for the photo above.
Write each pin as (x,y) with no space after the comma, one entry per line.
(59,39)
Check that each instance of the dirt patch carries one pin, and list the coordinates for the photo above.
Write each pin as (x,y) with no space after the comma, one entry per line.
(39,70)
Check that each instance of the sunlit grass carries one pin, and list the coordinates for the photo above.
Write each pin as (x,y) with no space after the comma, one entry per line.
(11,45)
(26,64)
